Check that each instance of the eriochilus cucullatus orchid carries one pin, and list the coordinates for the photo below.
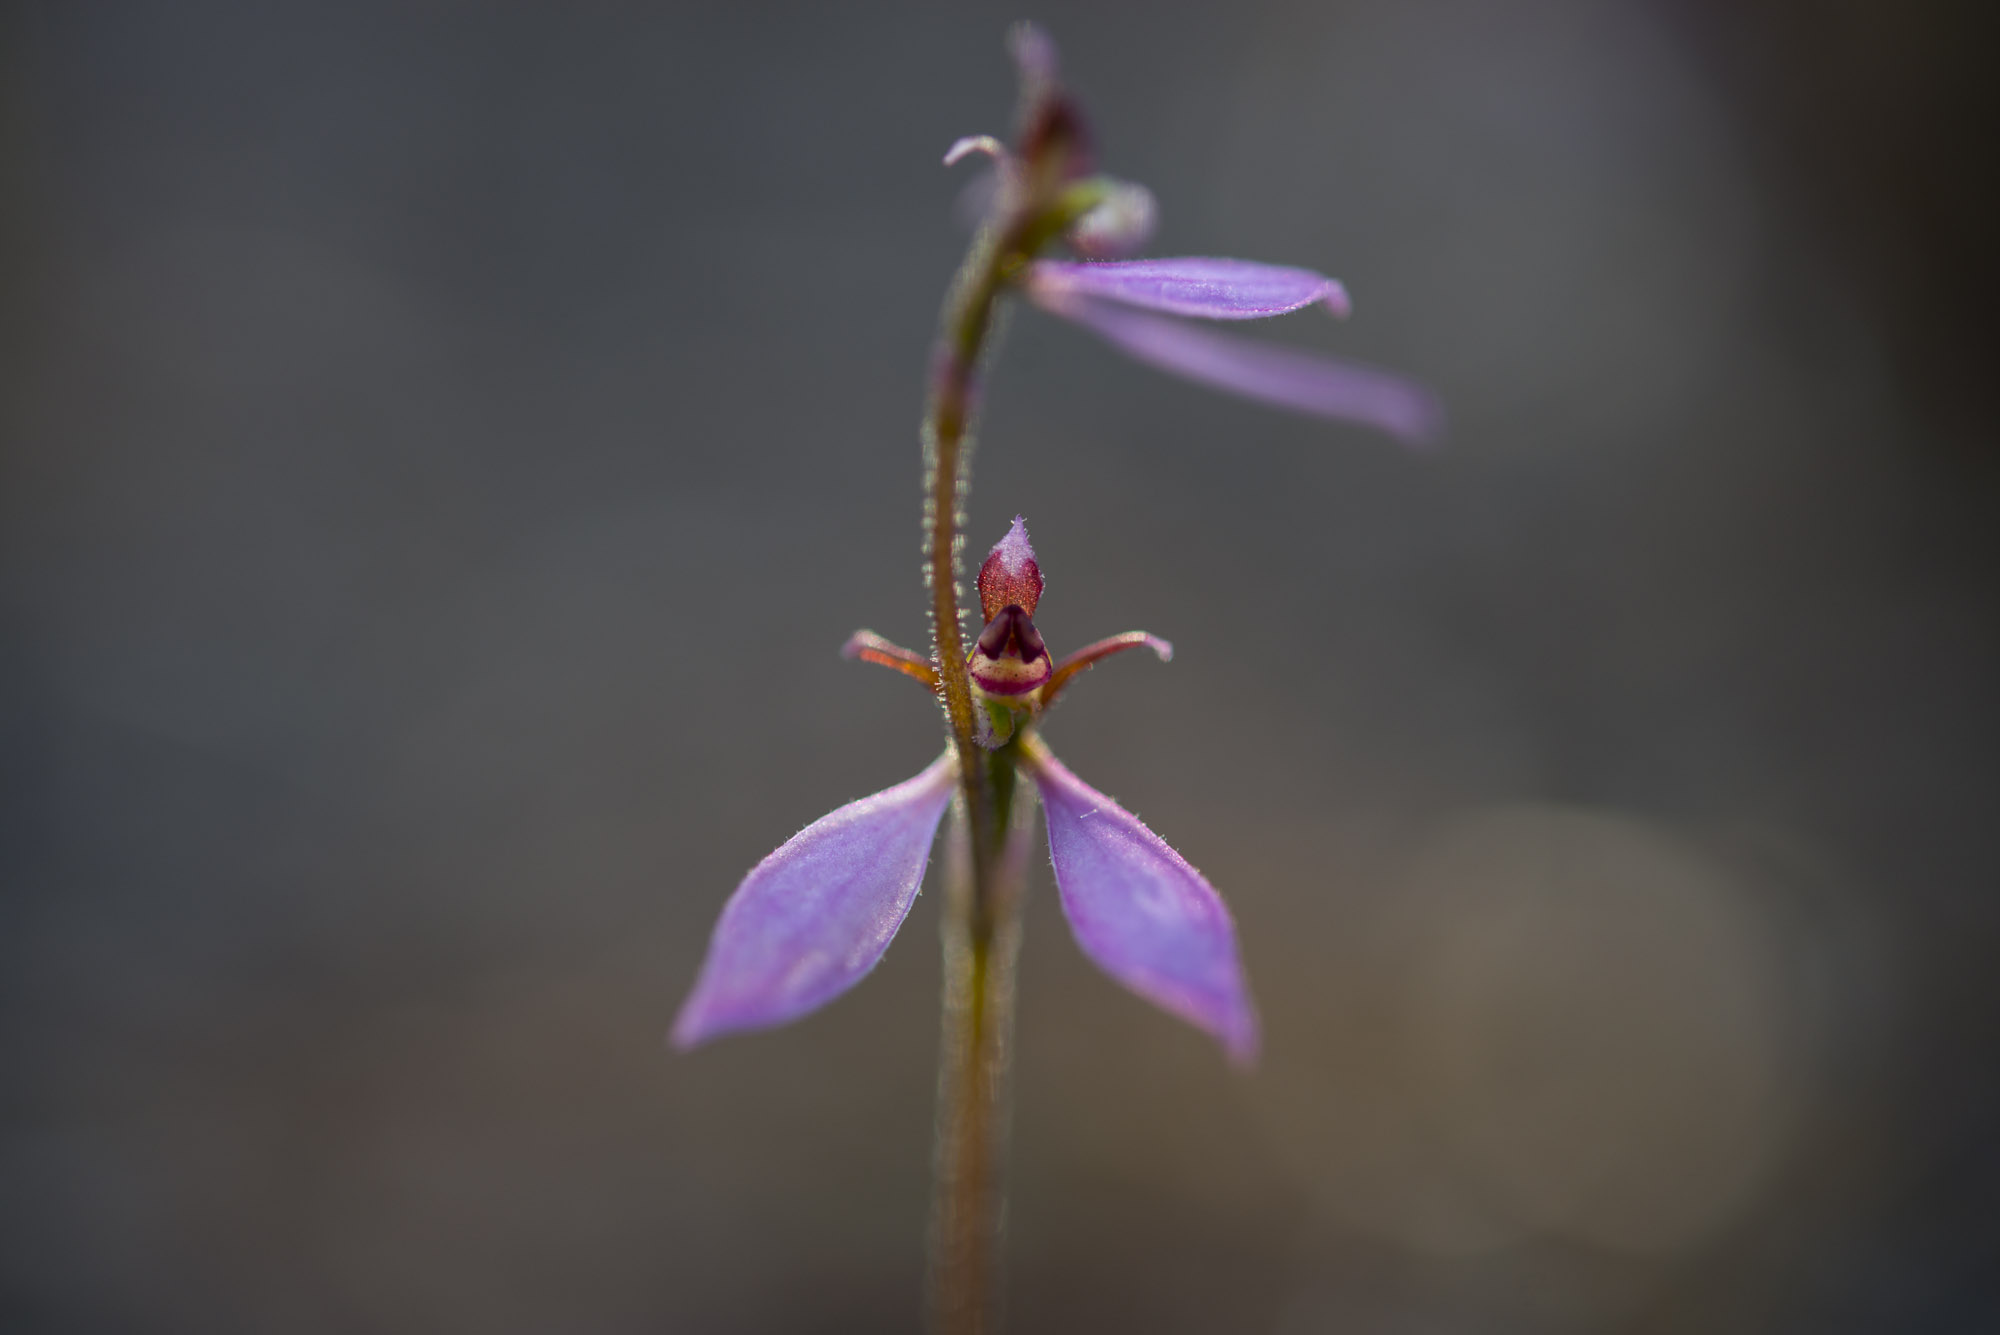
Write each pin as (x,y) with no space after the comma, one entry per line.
(814,917)
(817,914)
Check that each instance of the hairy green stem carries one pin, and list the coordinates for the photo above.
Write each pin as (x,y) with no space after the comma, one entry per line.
(1039,198)
(981,943)
(981,913)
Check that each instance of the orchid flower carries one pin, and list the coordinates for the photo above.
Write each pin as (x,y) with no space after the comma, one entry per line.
(1141,306)
(812,919)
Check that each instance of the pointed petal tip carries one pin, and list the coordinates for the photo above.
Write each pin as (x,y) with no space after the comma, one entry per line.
(1420,422)
(1236,1032)
(1243,1040)
(698,1020)
(688,1032)
(701,1021)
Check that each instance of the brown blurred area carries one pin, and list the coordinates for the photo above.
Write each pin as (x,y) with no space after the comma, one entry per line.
(444,447)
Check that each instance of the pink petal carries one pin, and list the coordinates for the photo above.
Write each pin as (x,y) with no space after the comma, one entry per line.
(1206,289)
(1305,382)
(811,919)
(1142,913)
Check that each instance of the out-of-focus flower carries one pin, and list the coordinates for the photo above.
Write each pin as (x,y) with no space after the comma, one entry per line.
(1044,184)
(813,918)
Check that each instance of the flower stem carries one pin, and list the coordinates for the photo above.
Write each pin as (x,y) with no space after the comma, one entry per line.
(981,927)
(1003,249)
(980,948)
(968,315)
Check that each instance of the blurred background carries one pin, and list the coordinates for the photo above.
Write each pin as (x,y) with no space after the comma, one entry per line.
(445,446)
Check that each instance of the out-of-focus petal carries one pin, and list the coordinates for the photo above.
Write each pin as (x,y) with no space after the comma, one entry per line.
(975,143)
(1206,289)
(1034,53)
(1141,912)
(811,919)
(1305,382)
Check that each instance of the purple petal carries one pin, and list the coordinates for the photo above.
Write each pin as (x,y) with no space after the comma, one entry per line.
(1034,54)
(811,919)
(1142,913)
(1305,382)
(1206,289)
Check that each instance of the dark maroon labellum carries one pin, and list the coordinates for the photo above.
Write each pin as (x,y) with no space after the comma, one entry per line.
(1009,658)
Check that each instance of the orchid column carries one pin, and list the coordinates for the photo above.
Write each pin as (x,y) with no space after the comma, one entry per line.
(813,918)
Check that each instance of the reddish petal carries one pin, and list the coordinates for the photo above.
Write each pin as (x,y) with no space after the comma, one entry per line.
(869,647)
(1083,658)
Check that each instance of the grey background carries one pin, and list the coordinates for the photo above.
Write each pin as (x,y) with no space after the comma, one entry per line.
(445,445)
